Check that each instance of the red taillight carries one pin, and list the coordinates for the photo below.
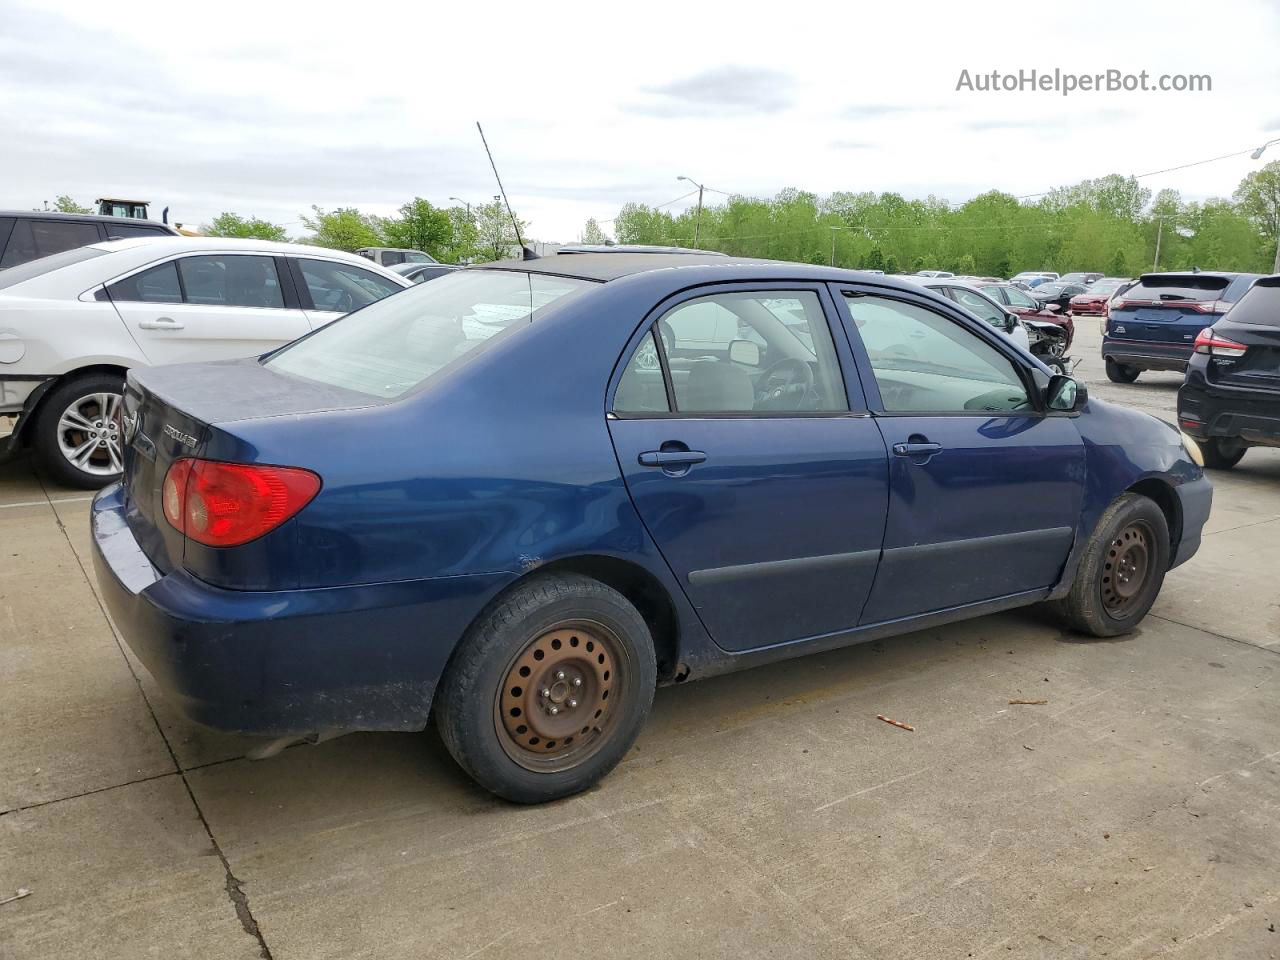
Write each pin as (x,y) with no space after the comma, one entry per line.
(1116,303)
(227,504)
(1217,346)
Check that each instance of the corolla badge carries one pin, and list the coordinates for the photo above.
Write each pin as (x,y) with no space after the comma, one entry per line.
(184,438)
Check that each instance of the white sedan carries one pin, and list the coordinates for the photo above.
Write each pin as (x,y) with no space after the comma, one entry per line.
(73,323)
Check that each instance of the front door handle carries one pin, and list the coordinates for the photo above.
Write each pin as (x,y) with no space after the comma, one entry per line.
(161,323)
(916,449)
(671,458)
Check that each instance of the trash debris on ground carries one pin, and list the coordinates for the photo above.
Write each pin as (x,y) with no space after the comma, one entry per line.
(22,892)
(1030,702)
(895,723)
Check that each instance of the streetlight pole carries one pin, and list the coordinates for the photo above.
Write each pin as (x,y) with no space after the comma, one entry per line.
(1257,154)
(697,223)
(833,245)
(1159,232)
(465,204)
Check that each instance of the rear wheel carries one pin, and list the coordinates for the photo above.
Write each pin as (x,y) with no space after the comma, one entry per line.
(549,689)
(77,432)
(1121,372)
(1222,453)
(1121,571)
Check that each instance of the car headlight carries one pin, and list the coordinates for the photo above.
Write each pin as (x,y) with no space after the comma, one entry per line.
(1193,449)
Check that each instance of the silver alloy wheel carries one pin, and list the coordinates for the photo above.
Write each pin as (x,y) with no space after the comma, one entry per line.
(1057,347)
(89,434)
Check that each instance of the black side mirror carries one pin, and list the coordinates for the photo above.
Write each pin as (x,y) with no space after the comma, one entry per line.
(1064,394)
(1010,322)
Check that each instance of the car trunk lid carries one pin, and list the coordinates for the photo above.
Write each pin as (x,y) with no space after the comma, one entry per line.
(1253,323)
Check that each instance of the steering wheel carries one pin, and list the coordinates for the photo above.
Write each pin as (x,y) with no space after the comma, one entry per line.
(777,386)
(344,302)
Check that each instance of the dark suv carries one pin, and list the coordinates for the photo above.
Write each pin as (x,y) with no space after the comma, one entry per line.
(1153,325)
(31,234)
(1230,399)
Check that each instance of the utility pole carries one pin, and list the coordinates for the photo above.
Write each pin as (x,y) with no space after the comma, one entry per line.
(697,223)
(833,245)
(1159,232)
(1275,267)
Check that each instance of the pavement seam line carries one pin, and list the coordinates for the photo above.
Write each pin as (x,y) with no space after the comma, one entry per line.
(232,885)
(1220,636)
(87,793)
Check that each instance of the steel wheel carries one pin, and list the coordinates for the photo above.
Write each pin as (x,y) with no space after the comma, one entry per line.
(88,434)
(553,710)
(1057,347)
(1126,568)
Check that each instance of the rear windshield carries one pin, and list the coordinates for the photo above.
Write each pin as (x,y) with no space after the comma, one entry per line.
(1103,286)
(1261,305)
(1179,286)
(38,268)
(393,345)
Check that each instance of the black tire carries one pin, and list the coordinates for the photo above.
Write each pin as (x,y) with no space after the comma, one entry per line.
(1101,603)
(1222,453)
(1121,372)
(472,704)
(48,428)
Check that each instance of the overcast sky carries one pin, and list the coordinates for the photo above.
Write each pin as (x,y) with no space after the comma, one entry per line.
(266,108)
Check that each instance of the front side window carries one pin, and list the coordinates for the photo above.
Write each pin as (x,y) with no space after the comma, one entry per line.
(159,284)
(231,281)
(979,306)
(394,345)
(738,353)
(120,231)
(925,363)
(342,287)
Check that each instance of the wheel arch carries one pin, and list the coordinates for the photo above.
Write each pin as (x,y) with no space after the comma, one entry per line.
(1161,492)
(22,433)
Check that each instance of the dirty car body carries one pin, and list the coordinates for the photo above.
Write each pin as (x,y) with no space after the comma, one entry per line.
(742,535)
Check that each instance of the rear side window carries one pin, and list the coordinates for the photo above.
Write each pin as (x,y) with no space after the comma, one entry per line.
(394,345)
(231,281)
(156,285)
(127,231)
(342,287)
(1261,305)
(32,239)
(1190,286)
(38,268)
(642,388)
(1239,287)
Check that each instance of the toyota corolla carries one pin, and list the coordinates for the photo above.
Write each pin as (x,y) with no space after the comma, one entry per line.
(518,498)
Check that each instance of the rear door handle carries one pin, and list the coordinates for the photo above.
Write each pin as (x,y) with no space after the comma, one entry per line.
(671,458)
(161,323)
(925,449)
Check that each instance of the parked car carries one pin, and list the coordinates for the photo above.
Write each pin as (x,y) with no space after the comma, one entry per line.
(1029,275)
(421,272)
(980,305)
(1028,307)
(1230,397)
(1153,325)
(645,506)
(1084,279)
(390,256)
(1093,302)
(633,248)
(73,323)
(1057,294)
(27,235)
(937,274)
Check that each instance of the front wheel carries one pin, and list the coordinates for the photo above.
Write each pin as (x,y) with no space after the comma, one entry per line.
(77,431)
(1222,453)
(549,689)
(1121,372)
(1121,571)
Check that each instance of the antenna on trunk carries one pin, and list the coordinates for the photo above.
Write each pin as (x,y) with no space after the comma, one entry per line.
(526,254)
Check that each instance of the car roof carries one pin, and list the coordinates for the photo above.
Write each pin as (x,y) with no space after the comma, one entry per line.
(617,248)
(164,245)
(702,268)
(83,218)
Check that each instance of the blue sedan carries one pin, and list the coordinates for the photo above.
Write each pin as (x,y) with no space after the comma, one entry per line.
(522,496)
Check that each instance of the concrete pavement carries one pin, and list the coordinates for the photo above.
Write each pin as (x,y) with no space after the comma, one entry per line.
(765,814)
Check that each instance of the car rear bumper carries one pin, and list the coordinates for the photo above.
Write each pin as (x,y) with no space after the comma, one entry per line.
(284,663)
(1089,309)
(1205,412)
(1147,354)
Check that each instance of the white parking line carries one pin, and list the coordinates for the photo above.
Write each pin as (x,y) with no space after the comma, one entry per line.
(43,503)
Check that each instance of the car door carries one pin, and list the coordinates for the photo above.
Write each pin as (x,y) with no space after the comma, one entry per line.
(984,485)
(330,289)
(753,463)
(208,307)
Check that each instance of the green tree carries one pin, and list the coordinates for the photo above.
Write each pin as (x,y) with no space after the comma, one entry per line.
(64,204)
(420,226)
(1258,197)
(345,228)
(249,228)
(495,235)
(463,237)
(591,232)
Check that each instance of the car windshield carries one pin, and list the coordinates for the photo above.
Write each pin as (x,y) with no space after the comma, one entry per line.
(1052,289)
(391,346)
(1172,286)
(38,268)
